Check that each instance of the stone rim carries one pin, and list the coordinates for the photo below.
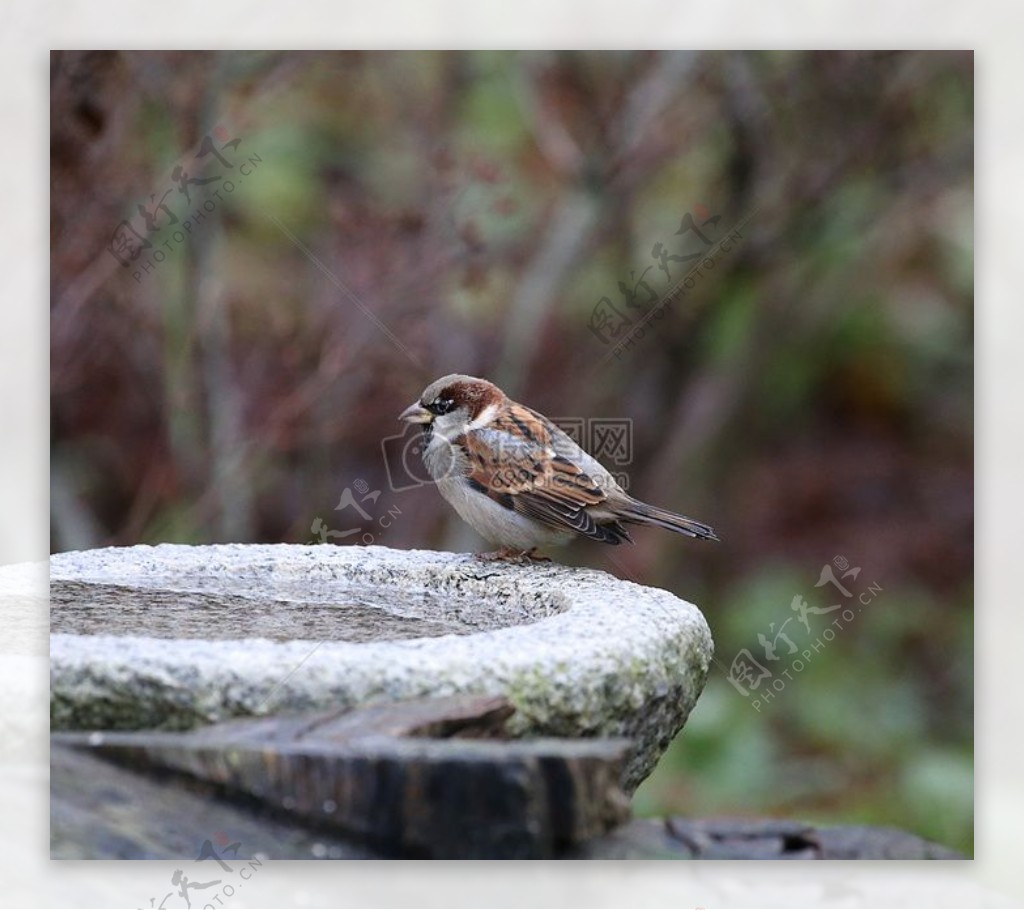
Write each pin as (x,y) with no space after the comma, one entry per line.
(613,658)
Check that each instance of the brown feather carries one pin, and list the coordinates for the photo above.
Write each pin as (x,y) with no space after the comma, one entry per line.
(527,476)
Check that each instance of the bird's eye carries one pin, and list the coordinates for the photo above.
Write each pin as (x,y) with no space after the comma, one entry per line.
(441,406)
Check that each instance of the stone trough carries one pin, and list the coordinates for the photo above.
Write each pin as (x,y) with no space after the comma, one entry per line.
(174,637)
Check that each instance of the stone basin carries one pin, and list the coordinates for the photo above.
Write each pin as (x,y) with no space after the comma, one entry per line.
(172,637)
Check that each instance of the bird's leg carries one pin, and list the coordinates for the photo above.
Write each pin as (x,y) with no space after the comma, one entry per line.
(513,554)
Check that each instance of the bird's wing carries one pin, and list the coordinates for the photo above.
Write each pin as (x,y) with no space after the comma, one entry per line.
(513,460)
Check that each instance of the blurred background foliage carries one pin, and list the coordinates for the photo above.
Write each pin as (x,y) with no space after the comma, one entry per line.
(404,215)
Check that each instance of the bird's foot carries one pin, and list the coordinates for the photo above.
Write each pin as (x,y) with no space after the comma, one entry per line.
(513,555)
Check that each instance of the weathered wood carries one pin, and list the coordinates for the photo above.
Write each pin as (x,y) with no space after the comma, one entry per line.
(385,775)
(100,810)
(480,716)
(731,838)
(427,778)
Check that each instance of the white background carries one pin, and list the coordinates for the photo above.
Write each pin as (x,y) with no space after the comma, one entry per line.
(28,30)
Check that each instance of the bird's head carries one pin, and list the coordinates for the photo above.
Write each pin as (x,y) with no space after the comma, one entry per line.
(454,404)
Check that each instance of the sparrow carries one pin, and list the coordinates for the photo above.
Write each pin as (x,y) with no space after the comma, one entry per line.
(518,479)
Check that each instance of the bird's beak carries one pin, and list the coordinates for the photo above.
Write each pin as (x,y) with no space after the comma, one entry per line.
(416,413)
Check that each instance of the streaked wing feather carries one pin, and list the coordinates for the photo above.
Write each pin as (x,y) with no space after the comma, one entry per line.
(512,460)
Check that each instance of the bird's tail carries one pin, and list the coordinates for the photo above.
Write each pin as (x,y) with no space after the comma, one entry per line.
(641,513)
